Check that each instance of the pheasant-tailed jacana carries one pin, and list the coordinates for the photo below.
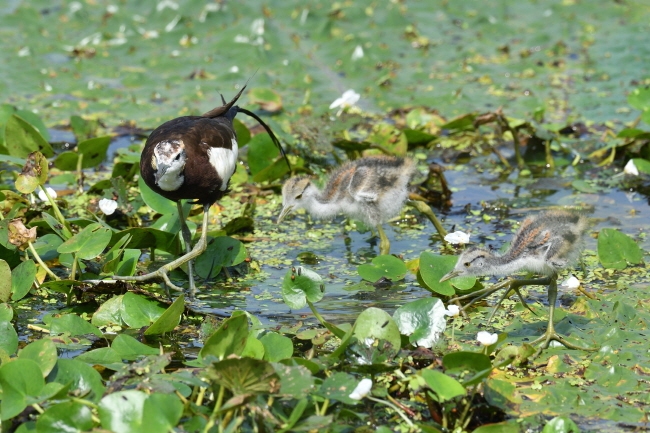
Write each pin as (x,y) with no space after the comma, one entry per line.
(371,189)
(193,158)
(544,244)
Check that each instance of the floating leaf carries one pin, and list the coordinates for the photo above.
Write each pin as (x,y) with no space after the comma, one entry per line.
(444,387)
(130,349)
(389,138)
(8,337)
(423,321)
(169,319)
(67,416)
(228,339)
(5,281)
(88,243)
(22,279)
(301,285)
(376,324)
(138,311)
(21,381)
(80,377)
(244,376)
(21,139)
(261,153)
(276,347)
(432,269)
(385,266)
(616,249)
(122,411)
(43,352)
(221,251)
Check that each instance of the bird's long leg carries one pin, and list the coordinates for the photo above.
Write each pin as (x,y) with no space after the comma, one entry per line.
(514,286)
(164,270)
(550,333)
(384,243)
(187,239)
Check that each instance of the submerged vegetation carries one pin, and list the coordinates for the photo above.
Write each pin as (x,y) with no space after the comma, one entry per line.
(303,326)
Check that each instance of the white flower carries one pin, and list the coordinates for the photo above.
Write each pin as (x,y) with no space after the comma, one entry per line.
(452,311)
(486,339)
(571,283)
(50,192)
(357,53)
(234,69)
(630,168)
(457,237)
(348,99)
(362,389)
(107,206)
(257,27)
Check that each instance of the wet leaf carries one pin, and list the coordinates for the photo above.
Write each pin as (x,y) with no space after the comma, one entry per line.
(71,324)
(43,352)
(138,311)
(22,279)
(130,349)
(276,347)
(161,412)
(122,411)
(423,321)
(561,424)
(432,268)
(66,416)
(221,251)
(376,324)
(82,379)
(244,376)
(34,173)
(228,339)
(386,266)
(88,243)
(616,249)
(21,139)
(21,381)
(169,319)
(444,387)
(301,285)
(8,337)
(5,281)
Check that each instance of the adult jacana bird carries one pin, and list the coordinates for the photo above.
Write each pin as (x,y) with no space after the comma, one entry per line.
(544,244)
(193,158)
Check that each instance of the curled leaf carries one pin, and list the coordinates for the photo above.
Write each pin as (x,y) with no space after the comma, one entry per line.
(19,235)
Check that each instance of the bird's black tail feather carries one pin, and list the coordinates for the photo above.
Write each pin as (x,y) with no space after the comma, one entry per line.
(268,129)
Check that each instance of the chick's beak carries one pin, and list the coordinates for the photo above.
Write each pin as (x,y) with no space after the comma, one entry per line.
(285,211)
(449,275)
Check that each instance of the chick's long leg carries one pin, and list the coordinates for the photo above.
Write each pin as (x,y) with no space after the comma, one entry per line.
(551,334)
(164,270)
(384,243)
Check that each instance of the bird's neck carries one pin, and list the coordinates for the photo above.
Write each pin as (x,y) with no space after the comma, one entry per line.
(504,265)
(315,203)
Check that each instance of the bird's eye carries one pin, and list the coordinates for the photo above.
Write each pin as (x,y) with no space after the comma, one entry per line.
(466,264)
(178,157)
(299,196)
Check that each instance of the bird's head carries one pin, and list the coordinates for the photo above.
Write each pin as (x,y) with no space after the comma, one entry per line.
(293,195)
(168,162)
(472,262)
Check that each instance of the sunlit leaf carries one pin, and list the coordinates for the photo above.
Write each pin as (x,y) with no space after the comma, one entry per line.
(385,266)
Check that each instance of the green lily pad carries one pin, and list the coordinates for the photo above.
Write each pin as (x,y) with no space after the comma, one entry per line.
(34,173)
(66,416)
(444,387)
(376,324)
(130,349)
(22,279)
(8,337)
(138,311)
(169,319)
(22,381)
(5,281)
(267,99)
(301,285)
(386,266)
(88,243)
(221,251)
(432,268)
(228,339)
(276,347)
(43,352)
(616,250)
(21,138)
(423,321)
(81,378)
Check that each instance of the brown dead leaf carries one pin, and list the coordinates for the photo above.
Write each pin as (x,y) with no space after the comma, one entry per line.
(19,235)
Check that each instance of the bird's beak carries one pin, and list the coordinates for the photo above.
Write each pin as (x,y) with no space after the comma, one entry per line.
(449,276)
(285,211)
(160,172)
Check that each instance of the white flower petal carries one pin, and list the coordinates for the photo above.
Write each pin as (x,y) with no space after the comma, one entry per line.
(630,168)
(49,191)
(107,206)
(457,237)
(362,389)
(571,283)
(486,338)
(452,311)
(348,99)
(357,53)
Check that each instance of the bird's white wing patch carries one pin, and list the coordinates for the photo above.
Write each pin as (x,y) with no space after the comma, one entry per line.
(365,196)
(224,162)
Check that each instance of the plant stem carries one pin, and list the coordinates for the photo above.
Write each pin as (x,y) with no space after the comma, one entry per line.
(40,262)
(395,408)
(316,313)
